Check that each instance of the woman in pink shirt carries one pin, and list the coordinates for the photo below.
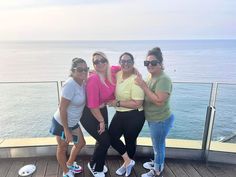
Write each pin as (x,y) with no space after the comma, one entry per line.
(100,89)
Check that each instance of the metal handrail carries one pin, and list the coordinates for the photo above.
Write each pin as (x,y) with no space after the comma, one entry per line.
(210,113)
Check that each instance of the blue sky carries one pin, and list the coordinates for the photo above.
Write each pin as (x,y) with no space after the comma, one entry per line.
(117,19)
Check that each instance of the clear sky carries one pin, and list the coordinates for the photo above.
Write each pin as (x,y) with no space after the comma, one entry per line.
(117,19)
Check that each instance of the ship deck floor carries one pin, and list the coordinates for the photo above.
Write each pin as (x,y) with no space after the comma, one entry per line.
(48,167)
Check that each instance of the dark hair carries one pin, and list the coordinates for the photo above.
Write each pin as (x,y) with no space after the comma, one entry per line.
(156,51)
(129,54)
(75,62)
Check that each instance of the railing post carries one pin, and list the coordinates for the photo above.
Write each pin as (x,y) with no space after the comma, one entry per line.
(58,91)
(209,122)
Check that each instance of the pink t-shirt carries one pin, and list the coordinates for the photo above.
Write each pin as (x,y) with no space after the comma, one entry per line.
(97,92)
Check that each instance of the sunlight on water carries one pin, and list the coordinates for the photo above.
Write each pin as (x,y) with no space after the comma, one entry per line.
(26,109)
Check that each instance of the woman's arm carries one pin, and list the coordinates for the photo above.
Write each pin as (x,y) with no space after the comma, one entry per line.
(93,100)
(63,115)
(98,115)
(158,98)
(132,104)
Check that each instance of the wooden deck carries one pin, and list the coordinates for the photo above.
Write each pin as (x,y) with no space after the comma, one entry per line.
(48,167)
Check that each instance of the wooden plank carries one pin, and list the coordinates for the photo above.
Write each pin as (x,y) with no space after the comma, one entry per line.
(52,168)
(86,172)
(48,167)
(5,165)
(138,168)
(177,169)
(41,166)
(189,169)
(16,165)
(217,170)
(167,171)
(113,164)
(59,171)
(230,170)
(202,169)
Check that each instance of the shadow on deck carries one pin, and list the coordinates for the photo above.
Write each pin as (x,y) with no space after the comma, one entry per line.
(48,167)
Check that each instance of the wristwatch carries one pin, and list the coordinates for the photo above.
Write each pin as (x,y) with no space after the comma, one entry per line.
(118,103)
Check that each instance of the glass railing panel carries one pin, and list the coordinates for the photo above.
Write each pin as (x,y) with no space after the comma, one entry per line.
(224,130)
(27,109)
(189,104)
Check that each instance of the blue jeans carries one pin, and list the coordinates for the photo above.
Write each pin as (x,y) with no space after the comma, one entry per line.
(159,131)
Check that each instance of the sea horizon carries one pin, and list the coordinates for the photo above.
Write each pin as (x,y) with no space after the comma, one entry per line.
(196,61)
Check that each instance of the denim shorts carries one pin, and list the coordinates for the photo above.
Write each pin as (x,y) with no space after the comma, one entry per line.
(57,129)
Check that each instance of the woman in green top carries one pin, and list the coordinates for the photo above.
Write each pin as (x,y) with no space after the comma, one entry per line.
(157,91)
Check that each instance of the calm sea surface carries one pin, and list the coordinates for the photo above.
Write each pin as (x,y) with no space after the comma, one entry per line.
(26,109)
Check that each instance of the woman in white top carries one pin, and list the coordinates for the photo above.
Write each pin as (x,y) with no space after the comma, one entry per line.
(65,121)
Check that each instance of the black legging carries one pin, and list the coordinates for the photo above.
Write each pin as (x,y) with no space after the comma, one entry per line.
(91,125)
(129,124)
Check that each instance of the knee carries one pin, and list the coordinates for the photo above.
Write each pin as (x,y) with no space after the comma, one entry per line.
(81,144)
(62,148)
(106,143)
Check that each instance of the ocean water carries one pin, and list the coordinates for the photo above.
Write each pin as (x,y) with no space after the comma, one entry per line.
(26,108)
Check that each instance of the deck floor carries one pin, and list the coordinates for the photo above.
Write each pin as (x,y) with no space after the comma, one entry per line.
(48,167)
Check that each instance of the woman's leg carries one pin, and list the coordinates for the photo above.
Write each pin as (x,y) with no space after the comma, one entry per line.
(91,124)
(116,131)
(61,153)
(77,146)
(159,131)
(134,124)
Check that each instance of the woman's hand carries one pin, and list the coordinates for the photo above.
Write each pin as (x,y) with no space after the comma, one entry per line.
(101,127)
(139,81)
(112,103)
(68,136)
(98,115)
(136,72)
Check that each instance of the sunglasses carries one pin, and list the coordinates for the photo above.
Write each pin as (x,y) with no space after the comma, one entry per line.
(80,69)
(103,60)
(153,63)
(129,62)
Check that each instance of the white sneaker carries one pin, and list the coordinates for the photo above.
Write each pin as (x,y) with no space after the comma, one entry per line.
(95,173)
(121,171)
(129,168)
(149,165)
(75,168)
(105,169)
(68,174)
(151,173)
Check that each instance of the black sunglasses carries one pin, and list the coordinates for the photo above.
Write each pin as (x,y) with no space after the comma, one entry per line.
(80,69)
(153,63)
(103,60)
(129,61)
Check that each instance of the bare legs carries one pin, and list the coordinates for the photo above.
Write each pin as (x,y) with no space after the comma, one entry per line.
(62,148)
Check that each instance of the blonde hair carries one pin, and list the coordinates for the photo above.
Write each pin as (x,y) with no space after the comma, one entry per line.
(108,71)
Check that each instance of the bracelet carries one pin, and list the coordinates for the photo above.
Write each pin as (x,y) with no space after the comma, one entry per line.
(118,103)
